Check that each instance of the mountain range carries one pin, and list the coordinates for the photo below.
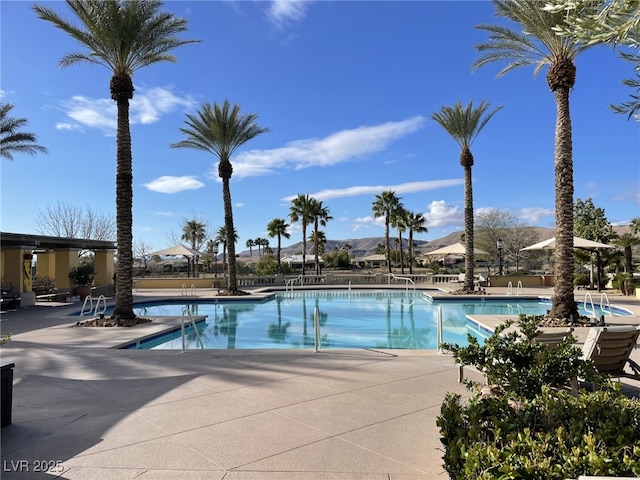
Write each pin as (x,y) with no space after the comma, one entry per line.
(361,247)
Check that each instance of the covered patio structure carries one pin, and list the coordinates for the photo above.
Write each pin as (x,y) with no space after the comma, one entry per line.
(56,257)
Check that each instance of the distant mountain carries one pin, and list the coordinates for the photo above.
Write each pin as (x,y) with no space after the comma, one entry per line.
(361,247)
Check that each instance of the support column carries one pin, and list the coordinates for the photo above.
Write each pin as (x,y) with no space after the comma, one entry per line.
(65,260)
(103,267)
(46,265)
(12,269)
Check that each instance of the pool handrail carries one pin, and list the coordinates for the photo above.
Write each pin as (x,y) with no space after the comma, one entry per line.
(187,310)
(407,280)
(585,306)
(605,306)
(316,329)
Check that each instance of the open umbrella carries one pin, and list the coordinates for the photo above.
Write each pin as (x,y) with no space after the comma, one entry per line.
(579,243)
(455,249)
(178,250)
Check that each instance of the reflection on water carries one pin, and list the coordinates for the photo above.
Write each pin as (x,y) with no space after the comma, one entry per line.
(360,319)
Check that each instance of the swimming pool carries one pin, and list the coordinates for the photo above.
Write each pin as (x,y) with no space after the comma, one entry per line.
(389,319)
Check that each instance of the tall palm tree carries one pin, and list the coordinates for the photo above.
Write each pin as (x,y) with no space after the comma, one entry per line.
(319,240)
(195,233)
(122,36)
(221,130)
(537,43)
(416,223)
(222,237)
(385,205)
(250,244)
(301,210)
(464,124)
(398,221)
(12,139)
(278,228)
(321,216)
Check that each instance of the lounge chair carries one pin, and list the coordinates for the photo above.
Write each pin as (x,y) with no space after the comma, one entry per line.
(609,348)
(551,338)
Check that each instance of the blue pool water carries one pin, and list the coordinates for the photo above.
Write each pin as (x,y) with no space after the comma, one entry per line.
(348,319)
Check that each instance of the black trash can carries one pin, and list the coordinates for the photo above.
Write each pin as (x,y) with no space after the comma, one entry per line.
(6,393)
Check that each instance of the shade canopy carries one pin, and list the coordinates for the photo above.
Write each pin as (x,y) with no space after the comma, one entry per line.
(178,250)
(455,249)
(578,243)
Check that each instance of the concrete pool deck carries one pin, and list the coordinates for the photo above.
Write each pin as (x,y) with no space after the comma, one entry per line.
(94,412)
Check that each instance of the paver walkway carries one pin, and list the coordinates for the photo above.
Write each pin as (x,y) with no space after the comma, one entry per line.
(91,412)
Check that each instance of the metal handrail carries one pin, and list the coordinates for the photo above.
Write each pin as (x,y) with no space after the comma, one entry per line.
(605,306)
(316,329)
(407,280)
(585,307)
(84,304)
(187,310)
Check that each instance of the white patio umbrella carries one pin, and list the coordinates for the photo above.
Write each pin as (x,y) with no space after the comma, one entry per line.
(178,250)
(578,244)
(454,249)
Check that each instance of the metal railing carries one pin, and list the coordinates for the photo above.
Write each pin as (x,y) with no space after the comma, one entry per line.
(186,311)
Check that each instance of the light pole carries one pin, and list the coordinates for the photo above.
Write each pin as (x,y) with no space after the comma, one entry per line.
(500,246)
(215,258)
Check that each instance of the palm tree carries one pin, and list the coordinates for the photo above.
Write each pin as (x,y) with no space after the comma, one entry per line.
(627,241)
(194,232)
(464,124)
(319,240)
(385,204)
(301,210)
(221,130)
(538,44)
(416,223)
(223,238)
(278,228)
(398,222)
(123,36)
(250,244)
(12,139)
(321,216)
(635,226)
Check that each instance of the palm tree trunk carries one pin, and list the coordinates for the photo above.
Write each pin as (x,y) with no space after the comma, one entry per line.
(468,227)
(410,252)
(563,301)
(316,246)
(304,246)
(387,249)
(400,248)
(232,282)
(124,203)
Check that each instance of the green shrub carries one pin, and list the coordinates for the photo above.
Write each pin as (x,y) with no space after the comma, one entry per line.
(528,426)
(517,362)
(553,435)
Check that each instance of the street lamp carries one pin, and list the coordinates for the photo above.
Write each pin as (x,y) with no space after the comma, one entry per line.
(215,258)
(500,246)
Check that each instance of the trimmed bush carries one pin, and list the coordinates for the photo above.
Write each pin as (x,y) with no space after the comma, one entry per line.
(527,425)
(554,435)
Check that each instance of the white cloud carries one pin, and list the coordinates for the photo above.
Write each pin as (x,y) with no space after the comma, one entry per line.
(534,214)
(336,148)
(440,215)
(168,184)
(70,127)
(147,106)
(286,11)
(409,187)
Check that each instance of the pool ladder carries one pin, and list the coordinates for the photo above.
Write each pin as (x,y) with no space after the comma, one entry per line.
(186,312)
(518,288)
(190,292)
(94,311)
(605,306)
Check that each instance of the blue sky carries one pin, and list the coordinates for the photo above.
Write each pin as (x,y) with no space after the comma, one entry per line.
(347,90)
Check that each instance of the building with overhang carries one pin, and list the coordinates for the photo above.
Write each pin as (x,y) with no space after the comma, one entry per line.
(56,257)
